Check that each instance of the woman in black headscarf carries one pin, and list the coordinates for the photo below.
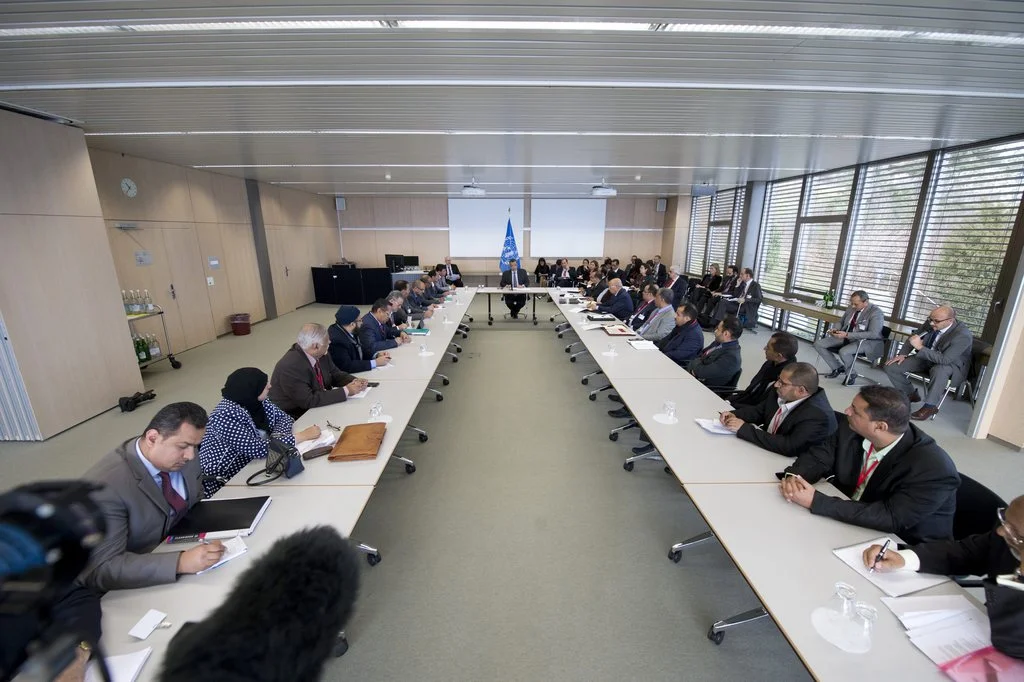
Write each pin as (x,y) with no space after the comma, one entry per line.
(240,426)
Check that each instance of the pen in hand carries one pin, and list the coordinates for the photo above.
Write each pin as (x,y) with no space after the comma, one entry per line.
(880,557)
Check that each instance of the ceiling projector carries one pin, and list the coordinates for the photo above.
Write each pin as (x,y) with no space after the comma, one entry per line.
(472,190)
(602,191)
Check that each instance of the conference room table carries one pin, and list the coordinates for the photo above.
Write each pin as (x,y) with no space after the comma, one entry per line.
(823,315)
(193,597)
(533,292)
(783,551)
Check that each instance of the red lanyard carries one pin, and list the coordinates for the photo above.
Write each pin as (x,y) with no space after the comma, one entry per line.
(865,470)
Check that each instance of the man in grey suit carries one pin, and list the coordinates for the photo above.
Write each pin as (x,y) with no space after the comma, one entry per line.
(515,277)
(149,484)
(862,321)
(661,321)
(940,349)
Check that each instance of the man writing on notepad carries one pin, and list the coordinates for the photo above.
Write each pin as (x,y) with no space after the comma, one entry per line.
(616,302)
(149,484)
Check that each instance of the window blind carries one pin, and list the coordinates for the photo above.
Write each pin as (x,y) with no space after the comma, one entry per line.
(778,224)
(829,193)
(816,257)
(700,213)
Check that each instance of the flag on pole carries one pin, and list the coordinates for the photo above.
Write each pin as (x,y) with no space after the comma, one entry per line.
(508,249)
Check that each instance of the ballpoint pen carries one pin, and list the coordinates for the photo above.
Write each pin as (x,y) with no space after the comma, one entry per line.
(880,556)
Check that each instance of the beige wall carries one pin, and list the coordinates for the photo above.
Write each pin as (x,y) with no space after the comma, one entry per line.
(59,293)
(302,231)
(183,218)
(419,226)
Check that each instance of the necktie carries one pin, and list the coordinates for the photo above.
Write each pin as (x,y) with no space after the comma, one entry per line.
(171,495)
(650,320)
(932,336)
(707,351)
(774,425)
(359,352)
(515,281)
(853,321)
(865,471)
(319,375)
(449,271)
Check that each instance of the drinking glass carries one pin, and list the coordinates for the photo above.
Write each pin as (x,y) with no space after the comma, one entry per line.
(423,348)
(376,410)
(669,409)
(843,601)
(611,349)
(863,625)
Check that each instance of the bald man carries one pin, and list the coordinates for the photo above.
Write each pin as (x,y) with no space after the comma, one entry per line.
(993,554)
(617,302)
(939,349)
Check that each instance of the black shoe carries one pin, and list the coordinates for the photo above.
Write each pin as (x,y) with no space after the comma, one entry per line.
(621,412)
(643,450)
(614,397)
(851,380)
(915,397)
(834,373)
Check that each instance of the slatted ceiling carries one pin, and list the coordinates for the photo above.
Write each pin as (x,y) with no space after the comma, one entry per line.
(884,217)
(697,243)
(976,196)
(815,258)
(829,193)
(778,226)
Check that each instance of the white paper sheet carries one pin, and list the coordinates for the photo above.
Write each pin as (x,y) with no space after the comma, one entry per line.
(714,426)
(916,612)
(123,668)
(327,437)
(361,394)
(233,548)
(894,583)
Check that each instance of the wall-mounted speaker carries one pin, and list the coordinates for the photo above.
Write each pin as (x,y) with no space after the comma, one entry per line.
(339,203)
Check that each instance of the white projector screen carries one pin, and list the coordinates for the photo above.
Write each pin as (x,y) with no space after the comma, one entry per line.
(476,227)
(567,228)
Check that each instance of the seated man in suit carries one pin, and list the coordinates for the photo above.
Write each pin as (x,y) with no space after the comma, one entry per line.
(562,274)
(430,294)
(441,287)
(728,289)
(862,321)
(306,377)
(375,335)
(514,278)
(897,478)
(397,316)
(997,553)
(415,301)
(660,273)
(678,284)
(645,307)
(452,274)
(791,418)
(719,363)
(615,272)
(598,286)
(345,350)
(941,349)
(149,484)
(779,353)
(660,322)
(616,302)
(748,300)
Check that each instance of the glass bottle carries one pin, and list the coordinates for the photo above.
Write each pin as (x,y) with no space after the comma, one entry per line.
(154,346)
(149,301)
(124,302)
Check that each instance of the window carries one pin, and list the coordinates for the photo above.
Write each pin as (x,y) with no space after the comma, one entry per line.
(881,230)
(777,228)
(828,194)
(737,225)
(700,213)
(816,257)
(973,205)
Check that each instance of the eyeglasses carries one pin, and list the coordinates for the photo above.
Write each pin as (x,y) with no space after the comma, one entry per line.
(932,320)
(780,383)
(1011,534)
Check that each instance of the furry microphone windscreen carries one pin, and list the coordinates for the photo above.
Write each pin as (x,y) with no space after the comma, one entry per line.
(281,619)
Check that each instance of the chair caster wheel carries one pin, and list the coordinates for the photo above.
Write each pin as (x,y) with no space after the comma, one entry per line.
(176,364)
(373,559)
(668,470)
(465,335)
(340,647)
(459,349)
(613,437)
(423,437)
(440,397)
(559,336)
(628,466)
(455,359)
(716,637)
(675,556)
(584,381)
(592,397)
(572,359)
(535,323)
(490,323)
(567,349)
(446,382)
(410,468)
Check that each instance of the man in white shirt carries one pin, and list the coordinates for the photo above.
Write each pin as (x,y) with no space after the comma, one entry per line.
(452,274)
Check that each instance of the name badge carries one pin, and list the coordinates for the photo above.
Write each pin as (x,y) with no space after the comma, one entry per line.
(641,317)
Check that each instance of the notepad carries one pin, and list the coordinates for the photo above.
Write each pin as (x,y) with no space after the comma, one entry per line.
(421,331)
(714,426)
(328,437)
(123,668)
(361,394)
(642,344)
(219,519)
(893,583)
(233,548)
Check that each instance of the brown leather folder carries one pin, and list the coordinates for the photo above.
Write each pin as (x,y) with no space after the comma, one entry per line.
(358,441)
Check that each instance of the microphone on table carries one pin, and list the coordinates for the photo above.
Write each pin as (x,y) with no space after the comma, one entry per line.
(281,620)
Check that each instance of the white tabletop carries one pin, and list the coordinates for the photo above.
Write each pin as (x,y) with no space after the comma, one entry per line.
(785,554)
(195,596)
(520,290)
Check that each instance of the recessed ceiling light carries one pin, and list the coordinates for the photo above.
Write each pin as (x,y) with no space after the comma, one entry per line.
(387,176)
(637,178)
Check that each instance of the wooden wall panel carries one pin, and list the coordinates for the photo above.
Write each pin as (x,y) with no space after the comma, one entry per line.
(392,211)
(393,241)
(231,198)
(644,244)
(427,212)
(359,213)
(200,189)
(430,245)
(618,244)
(620,212)
(190,289)
(360,246)
(270,204)
(242,270)
(212,246)
(645,214)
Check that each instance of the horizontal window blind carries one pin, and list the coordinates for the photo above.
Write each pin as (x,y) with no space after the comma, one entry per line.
(724,202)
(963,241)
(718,242)
(881,230)
(802,326)
(778,224)
(829,193)
(816,257)
(700,213)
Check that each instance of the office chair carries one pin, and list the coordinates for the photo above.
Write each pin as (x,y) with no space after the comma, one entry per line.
(976,507)
(728,388)
(878,345)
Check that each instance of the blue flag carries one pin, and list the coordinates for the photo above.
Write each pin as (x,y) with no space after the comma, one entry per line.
(508,249)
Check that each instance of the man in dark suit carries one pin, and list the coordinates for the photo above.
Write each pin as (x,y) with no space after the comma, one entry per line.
(149,484)
(375,335)
(452,274)
(997,553)
(791,418)
(897,478)
(678,284)
(862,321)
(711,281)
(514,278)
(562,274)
(639,315)
(779,353)
(747,299)
(685,342)
(615,272)
(616,302)
(660,274)
(429,295)
(306,377)
(719,363)
(728,289)
(416,303)
(941,349)
(345,350)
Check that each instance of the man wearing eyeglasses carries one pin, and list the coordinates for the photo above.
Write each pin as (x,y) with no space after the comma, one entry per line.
(996,555)
(940,350)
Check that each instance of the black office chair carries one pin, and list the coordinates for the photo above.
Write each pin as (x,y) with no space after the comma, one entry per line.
(976,507)
(728,388)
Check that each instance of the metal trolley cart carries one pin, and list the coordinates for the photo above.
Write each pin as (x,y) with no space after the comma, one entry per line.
(168,354)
